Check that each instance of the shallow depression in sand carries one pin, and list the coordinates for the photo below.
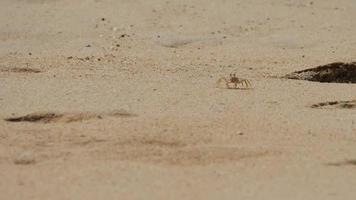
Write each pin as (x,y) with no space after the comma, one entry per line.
(176,152)
(336,104)
(19,70)
(338,72)
(48,117)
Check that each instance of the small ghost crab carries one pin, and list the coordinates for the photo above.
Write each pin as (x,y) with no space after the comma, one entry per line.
(233,79)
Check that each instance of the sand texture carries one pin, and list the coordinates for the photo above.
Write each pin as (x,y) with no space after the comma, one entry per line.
(120,99)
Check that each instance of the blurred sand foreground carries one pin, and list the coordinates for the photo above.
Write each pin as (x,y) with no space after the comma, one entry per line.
(116,99)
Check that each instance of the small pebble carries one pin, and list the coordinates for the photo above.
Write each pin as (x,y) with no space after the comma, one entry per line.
(25,158)
(124,35)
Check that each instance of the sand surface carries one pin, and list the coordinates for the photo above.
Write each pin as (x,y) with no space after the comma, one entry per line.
(117,99)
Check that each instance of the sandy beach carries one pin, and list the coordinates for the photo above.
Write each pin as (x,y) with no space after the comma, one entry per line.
(118,99)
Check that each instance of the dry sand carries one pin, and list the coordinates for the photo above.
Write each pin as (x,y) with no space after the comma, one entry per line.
(105,99)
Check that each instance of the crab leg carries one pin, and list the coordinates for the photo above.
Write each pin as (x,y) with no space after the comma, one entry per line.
(246,82)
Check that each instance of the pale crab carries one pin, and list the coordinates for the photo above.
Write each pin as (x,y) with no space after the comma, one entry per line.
(233,79)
